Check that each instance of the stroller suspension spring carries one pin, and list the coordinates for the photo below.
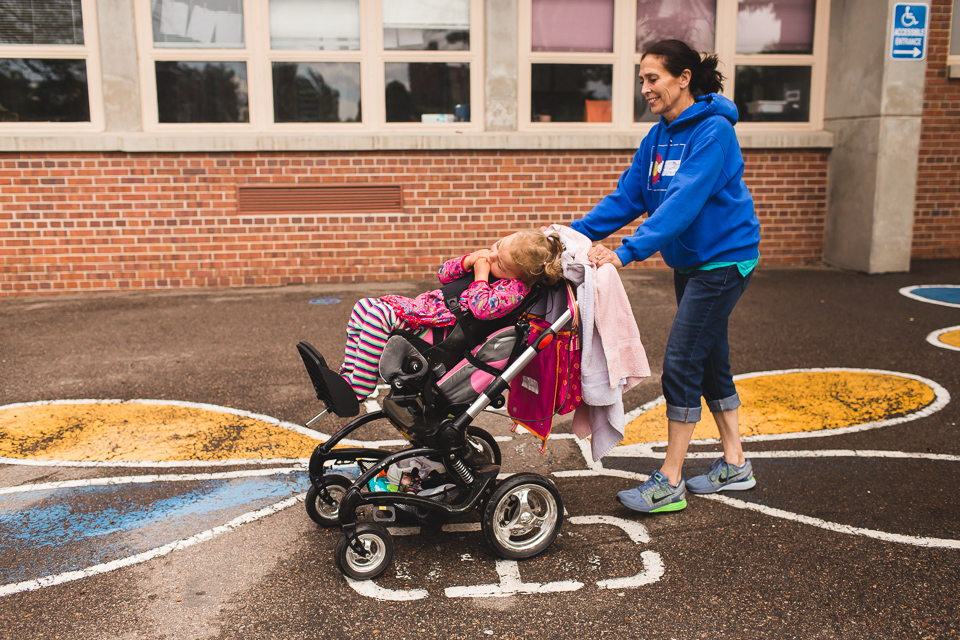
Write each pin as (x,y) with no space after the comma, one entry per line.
(461,470)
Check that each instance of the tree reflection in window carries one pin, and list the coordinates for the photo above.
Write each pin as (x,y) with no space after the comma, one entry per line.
(202,92)
(316,92)
(43,90)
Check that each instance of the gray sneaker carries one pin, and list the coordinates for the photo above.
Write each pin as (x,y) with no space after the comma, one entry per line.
(723,476)
(655,495)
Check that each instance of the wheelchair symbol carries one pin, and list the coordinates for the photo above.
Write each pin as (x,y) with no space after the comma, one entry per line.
(907,15)
(508,571)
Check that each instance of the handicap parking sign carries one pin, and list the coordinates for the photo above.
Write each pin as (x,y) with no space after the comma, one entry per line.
(909,31)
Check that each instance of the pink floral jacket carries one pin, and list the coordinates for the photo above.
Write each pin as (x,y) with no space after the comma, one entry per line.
(485,301)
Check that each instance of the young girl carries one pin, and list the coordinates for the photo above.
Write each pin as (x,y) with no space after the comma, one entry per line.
(519,260)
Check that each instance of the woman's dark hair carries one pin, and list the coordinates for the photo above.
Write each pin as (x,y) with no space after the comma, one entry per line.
(676,56)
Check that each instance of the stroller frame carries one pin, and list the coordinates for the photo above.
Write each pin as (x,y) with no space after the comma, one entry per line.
(520,516)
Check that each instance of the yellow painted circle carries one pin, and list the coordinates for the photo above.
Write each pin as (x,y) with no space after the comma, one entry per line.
(134,432)
(951,338)
(781,403)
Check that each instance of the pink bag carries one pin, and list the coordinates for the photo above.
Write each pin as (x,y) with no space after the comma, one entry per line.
(550,384)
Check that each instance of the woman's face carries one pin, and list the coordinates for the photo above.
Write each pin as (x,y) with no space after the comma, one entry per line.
(502,264)
(667,95)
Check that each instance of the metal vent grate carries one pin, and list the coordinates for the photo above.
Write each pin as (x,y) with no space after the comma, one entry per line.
(319,199)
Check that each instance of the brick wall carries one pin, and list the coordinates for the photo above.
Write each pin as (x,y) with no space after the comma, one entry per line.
(936,226)
(119,221)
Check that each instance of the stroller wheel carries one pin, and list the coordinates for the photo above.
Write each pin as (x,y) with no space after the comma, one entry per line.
(324,513)
(484,444)
(523,516)
(377,543)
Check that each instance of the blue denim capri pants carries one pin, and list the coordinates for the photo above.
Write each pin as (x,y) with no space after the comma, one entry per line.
(697,359)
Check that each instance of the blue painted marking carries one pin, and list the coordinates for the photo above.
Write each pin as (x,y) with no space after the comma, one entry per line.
(54,531)
(940,294)
(325,301)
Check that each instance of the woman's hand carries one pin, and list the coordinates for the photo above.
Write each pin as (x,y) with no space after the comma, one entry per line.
(600,255)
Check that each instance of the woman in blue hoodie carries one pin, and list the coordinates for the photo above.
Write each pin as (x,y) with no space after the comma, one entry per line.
(687,177)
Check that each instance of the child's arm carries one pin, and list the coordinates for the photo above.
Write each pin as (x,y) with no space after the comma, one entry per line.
(490,301)
(458,267)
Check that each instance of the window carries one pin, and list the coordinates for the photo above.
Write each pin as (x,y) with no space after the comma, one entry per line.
(954,56)
(49,71)
(579,59)
(327,64)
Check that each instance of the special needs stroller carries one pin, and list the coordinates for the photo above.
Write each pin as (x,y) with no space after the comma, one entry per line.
(450,466)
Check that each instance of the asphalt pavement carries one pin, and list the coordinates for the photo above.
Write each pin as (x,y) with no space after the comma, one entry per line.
(151,480)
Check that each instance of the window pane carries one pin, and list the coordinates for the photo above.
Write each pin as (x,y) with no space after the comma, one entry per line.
(773,94)
(693,21)
(42,90)
(47,22)
(571,92)
(213,24)
(427,92)
(955,30)
(775,26)
(309,25)
(316,91)
(572,25)
(641,110)
(426,24)
(202,92)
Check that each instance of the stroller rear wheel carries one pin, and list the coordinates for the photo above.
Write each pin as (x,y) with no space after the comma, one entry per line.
(523,516)
(484,444)
(378,546)
(326,513)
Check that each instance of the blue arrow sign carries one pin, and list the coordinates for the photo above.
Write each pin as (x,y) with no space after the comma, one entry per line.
(909,41)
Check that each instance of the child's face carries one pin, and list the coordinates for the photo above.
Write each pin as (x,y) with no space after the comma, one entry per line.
(502,264)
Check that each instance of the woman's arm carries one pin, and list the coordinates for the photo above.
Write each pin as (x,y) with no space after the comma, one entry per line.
(619,208)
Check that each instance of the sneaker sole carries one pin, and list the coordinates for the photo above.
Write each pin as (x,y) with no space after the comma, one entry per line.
(673,506)
(743,485)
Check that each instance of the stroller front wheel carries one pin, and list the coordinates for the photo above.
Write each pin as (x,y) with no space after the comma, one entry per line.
(523,516)
(378,547)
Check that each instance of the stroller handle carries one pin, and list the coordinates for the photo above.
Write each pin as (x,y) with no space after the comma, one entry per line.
(502,382)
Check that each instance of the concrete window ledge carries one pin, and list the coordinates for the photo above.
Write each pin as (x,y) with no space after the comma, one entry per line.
(226,143)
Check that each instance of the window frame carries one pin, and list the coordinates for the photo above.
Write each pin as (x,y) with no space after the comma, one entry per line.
(953,59)
(259,58)
(89,52)
(625,58)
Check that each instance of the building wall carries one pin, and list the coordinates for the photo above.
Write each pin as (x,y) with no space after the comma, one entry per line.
(936,226)
(75,222)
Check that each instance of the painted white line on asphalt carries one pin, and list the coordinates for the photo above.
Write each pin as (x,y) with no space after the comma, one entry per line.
(833,526)
(370,589)
(510,584)
(825,453)
(634,530)
(149,464)
(70,576)
(934,338)
(103,482)
(652,572)
(909,292)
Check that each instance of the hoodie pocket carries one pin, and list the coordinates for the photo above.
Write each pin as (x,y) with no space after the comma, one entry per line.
(680,256)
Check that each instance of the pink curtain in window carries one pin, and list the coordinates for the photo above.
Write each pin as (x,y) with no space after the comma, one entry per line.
(572,25)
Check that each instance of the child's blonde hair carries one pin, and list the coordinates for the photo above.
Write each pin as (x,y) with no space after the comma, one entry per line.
(537,255)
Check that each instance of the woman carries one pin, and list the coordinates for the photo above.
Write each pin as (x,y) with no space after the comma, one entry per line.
(688,178)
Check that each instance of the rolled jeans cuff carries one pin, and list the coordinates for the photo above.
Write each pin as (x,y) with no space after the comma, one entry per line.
(724,404)
(683,414)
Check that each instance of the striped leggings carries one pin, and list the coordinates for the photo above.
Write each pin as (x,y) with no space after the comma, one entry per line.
(368,329)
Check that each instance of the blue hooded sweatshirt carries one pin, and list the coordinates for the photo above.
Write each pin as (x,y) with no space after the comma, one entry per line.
(687,177)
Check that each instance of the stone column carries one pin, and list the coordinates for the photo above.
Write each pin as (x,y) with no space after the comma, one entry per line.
(874,106)
(500,82)
(118,60)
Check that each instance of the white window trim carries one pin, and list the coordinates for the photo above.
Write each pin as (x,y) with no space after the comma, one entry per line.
(259,57)
(89,52)
(953,61)
(624,59)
